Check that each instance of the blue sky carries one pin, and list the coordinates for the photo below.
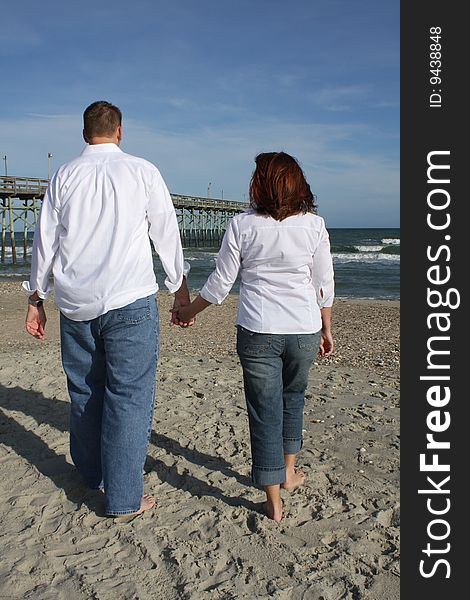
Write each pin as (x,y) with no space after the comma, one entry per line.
(205,85)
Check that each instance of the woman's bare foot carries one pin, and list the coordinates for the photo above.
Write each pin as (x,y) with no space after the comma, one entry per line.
(273,504)
(294,479)
(147,503)
(274,510)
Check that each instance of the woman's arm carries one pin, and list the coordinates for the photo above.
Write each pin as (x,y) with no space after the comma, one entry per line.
(327,344)
(221,280)
(187,313)
(322,270)
(227,266)
(323,277)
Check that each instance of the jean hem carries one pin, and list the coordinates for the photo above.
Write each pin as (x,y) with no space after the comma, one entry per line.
(292,445)
(268,476)
(121,513)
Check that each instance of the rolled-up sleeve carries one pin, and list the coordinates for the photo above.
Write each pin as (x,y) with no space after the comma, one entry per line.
(164,233)
(228,263)
(45,243)
(322,270)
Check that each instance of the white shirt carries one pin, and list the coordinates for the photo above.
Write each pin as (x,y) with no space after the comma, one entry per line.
(93,233)
(286,272)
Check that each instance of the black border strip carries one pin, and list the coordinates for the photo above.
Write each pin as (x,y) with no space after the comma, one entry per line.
(434,270)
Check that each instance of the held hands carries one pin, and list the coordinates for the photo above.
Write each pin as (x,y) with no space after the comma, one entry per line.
(179,317)
(36,322)
(181,299)
(184,313)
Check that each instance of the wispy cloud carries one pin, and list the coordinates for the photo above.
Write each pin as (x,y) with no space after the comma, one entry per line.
(204,87)
(223,156)
(339,98)
(58,116)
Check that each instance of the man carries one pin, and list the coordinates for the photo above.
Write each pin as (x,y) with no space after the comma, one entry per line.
(93,234)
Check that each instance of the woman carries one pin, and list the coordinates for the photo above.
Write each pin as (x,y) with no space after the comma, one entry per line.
(284,316)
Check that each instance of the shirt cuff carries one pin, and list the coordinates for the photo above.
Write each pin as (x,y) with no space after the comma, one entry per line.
(206,294)
(326,301)
(174,287)
(27,290)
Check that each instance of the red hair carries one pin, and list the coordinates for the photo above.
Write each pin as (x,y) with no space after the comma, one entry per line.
(278,187)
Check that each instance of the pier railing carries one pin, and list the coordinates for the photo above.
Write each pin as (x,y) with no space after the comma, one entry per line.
(22,187)
(202,221)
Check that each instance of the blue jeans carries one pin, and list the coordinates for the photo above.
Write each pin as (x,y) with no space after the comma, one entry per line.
(275,374)
(110,363)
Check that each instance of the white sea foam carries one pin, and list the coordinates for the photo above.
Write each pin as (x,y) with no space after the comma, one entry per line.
(200,256)
(19,254)
(366,257)
(391,241)
(369,248)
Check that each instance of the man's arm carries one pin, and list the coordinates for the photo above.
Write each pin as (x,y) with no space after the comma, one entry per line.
(165,235)
(36,317)
(45,245)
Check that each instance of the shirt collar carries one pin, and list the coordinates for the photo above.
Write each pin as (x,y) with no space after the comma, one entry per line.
(92,148)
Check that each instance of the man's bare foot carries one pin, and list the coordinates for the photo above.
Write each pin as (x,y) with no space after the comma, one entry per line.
(293,480)
(274,510)
(147,503)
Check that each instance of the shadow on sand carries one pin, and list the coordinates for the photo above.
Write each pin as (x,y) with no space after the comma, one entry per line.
(55,413)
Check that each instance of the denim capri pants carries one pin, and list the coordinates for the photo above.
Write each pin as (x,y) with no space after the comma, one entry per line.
(275,375)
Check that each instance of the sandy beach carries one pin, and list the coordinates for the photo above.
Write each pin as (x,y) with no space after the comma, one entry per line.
(207,537)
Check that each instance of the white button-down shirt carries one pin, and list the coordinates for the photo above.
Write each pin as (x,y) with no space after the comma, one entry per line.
(286,272)
(93,233)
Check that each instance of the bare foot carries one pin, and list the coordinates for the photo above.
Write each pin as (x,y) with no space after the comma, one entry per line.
(147,503)
(274,510)
(293,480)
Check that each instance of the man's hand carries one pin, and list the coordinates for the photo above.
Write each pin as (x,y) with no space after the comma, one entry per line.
(36,322)
(181,299)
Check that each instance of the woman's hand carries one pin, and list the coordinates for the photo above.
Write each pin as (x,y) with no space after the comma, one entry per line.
(327,344)
(177,319)
(185,314)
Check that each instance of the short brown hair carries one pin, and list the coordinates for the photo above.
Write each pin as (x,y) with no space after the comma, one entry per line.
(278,187)
(101,119)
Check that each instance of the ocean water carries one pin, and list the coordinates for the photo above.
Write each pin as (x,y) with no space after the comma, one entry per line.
(366,263)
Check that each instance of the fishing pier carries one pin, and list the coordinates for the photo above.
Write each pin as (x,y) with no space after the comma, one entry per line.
(202,221)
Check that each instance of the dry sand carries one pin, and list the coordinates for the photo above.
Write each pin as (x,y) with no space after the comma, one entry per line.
(207,537)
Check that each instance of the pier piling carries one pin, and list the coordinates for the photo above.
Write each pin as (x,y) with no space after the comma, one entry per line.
(202,221)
